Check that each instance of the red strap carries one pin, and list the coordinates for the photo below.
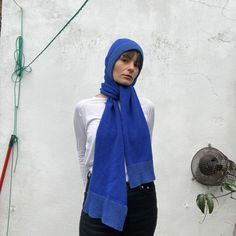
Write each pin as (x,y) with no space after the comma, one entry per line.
(11,143)
(5,166)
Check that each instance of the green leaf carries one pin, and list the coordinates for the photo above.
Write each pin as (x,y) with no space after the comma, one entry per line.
(210,203)
(231,184)
(201,202)
(227,186)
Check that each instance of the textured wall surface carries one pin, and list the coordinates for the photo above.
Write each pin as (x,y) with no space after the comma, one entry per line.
(0,14)
(189,73)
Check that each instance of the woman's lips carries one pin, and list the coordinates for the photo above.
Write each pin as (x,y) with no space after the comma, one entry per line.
(128,76)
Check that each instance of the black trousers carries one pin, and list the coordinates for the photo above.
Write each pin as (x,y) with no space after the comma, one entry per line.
(141,217)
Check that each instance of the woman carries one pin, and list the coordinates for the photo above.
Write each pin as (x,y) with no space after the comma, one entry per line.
(113,132)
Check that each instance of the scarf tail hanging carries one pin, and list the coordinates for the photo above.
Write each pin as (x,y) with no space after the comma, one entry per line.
(122,137)
(110,212)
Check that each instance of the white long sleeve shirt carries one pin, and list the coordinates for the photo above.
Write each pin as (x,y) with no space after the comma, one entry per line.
(87,116)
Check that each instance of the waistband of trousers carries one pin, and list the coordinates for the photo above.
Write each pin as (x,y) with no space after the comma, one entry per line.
(142,186)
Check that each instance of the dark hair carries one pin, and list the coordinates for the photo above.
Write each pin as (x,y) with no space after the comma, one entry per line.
(131,53)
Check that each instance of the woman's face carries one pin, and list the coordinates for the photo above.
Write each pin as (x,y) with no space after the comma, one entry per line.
(126,68)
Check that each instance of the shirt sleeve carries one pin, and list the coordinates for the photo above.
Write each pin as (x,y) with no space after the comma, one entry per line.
(80,134)
(151,115)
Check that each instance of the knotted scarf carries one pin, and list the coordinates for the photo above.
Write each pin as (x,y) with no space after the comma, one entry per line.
(122,138)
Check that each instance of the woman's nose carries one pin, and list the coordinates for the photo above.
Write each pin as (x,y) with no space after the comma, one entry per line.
(131,67)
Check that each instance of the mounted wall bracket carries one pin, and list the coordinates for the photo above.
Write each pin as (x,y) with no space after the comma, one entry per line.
(211,167)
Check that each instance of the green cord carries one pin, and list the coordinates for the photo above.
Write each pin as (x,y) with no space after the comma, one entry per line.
(25,67)
(20,67)
(10,198)
(16,77)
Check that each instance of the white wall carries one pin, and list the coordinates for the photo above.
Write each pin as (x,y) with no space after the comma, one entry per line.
(189,73)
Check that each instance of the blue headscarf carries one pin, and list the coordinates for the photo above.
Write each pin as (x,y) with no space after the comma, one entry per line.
(122,138)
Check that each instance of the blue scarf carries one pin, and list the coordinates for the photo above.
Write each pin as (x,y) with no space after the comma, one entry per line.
(122,138)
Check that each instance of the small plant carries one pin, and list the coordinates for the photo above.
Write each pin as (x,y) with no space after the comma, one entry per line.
(205,202)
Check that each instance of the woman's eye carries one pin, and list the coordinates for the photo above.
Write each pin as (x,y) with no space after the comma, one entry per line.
(124,60)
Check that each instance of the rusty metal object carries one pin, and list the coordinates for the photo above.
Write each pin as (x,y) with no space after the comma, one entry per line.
(210,166)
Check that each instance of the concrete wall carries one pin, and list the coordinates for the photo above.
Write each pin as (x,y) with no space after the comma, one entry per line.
(0,14)
(189,73)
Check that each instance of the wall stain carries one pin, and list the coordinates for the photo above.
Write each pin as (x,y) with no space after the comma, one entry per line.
(224,37)
(223,6)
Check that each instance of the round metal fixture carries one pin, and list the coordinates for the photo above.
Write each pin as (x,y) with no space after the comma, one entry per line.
(210,166)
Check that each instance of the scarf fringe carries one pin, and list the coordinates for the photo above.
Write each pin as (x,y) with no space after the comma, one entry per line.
(140,173)
(111,213)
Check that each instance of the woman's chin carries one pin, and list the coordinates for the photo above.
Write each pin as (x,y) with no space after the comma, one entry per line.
(125,82)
